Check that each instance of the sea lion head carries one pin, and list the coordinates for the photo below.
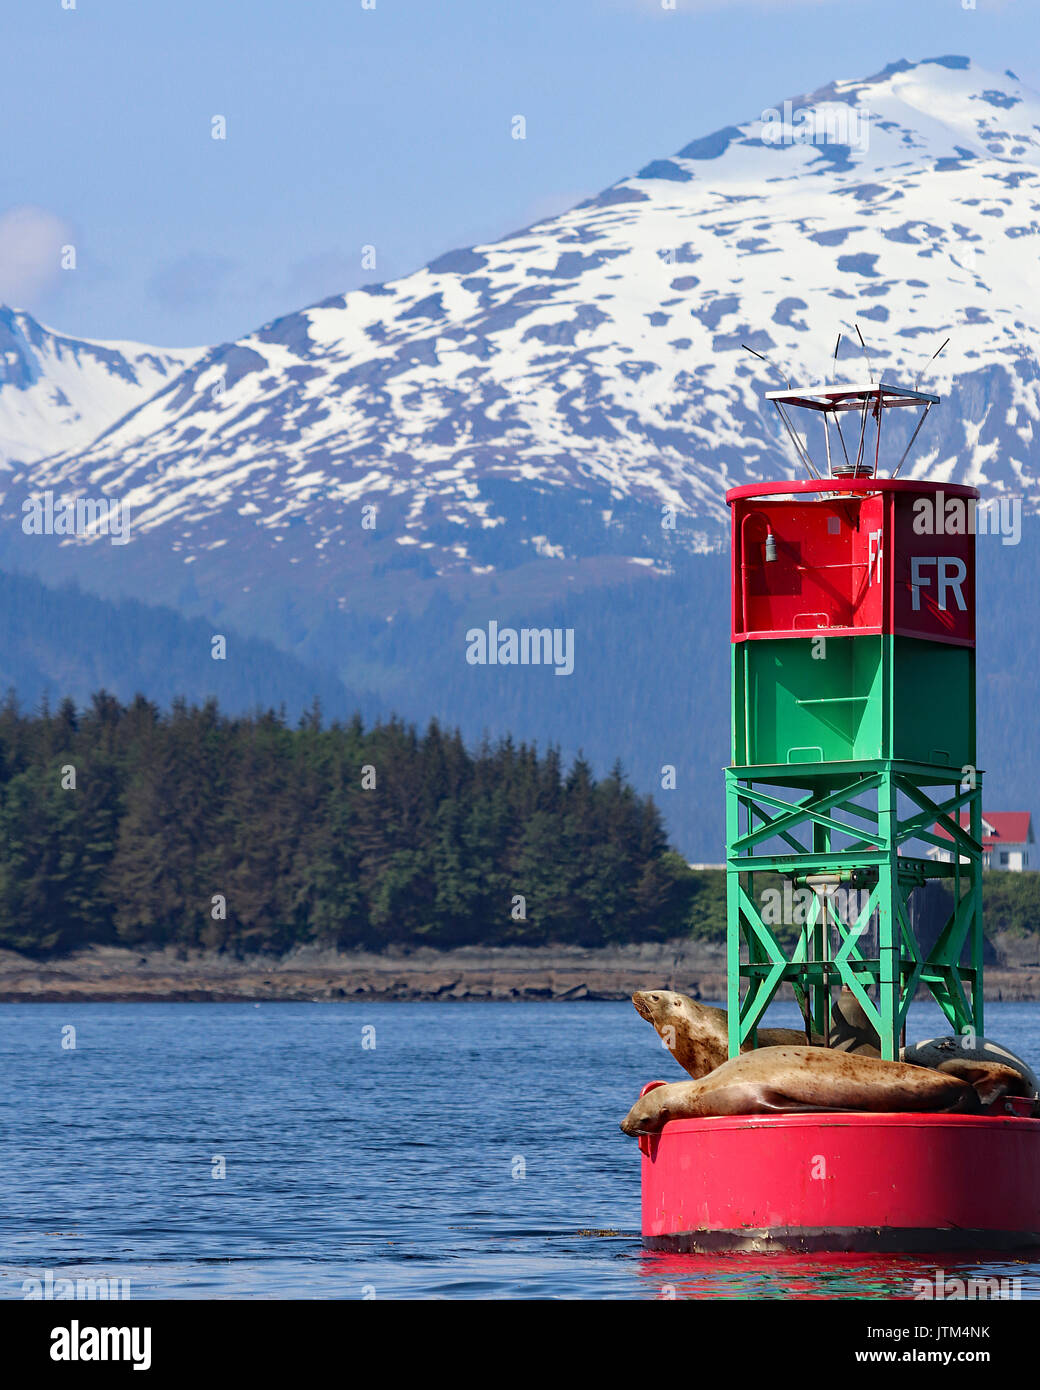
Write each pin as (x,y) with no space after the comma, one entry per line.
(647,1116)
(660,1006)
(695,1034)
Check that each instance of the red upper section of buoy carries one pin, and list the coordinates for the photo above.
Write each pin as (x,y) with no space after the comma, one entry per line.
(854,557)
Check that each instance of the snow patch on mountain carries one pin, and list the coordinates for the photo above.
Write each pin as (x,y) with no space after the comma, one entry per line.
(59,393)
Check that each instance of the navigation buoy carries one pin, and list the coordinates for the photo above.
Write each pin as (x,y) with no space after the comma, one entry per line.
(854,753)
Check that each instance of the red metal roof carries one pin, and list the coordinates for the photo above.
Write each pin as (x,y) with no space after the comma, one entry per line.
(999,827)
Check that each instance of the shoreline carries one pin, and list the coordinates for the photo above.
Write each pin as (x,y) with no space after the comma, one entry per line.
(563,973)
(115,974)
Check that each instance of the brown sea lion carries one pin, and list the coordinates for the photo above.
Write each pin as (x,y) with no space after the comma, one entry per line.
(697,1035)
(851,1029)
(941,1052)
(992,1081)
(773,1080)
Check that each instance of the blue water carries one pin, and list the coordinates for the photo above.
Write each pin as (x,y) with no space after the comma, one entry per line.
(474,1151)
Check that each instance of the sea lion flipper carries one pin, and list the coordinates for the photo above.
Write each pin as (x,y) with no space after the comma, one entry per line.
(784,1105)
(991,1081)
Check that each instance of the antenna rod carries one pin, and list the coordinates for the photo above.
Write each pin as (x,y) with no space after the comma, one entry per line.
(924,416)
(866,354)
(862,432)
(800,449)
(837,426)
(878,413)
(837,422)
(785,379)
(827,443)
(931,359)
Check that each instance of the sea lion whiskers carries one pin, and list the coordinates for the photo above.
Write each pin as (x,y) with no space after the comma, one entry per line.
(642,1007)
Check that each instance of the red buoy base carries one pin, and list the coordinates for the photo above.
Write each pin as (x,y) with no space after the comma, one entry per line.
(842,1181)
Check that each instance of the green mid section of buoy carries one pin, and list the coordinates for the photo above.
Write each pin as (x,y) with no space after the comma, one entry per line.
(831,699)
(846,750)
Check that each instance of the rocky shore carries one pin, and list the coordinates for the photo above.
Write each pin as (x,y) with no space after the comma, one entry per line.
(109,973)
(471,973)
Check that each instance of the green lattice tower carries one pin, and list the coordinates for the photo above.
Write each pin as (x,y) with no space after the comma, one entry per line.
(854,747)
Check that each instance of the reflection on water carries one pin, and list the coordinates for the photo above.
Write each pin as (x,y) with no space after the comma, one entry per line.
(827,1275)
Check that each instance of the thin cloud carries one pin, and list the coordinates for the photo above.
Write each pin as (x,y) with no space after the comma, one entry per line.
(191,281)
(31,242)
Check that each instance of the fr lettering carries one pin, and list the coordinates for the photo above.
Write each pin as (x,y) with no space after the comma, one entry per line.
(950,573)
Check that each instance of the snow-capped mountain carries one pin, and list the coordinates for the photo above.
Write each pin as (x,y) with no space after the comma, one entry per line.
(59,393)
(495,435)
(598,353)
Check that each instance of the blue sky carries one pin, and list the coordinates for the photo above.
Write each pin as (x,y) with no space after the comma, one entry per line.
(388,126)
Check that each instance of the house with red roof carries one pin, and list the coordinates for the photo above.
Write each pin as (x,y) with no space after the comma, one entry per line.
(1007,841)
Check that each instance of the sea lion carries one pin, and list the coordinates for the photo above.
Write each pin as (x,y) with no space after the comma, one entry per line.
(992,1081)
(772,1080)
(697,1035)
(851,1029)
(949,1053)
